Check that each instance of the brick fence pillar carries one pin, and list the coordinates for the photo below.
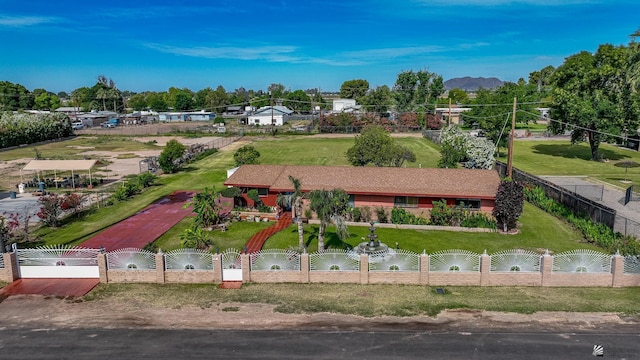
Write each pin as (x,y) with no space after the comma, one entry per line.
(304,268)
(617,269)
(424,269)
(11,266)
(245,260)
(160,279)
(485,269)
(102,268)
(547,267)
(217,268)
(364,269)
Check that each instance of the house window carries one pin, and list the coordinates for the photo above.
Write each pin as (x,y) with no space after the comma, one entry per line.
(471,204)
(406,201)
(263,191)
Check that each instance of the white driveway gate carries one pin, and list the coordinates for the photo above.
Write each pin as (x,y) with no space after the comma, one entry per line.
(58,262)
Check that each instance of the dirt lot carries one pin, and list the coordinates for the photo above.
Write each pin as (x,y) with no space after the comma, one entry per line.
(32,311)
(121,163)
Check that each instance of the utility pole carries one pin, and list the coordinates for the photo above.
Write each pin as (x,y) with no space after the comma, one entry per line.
(449,119)
(272,122)
(511,138)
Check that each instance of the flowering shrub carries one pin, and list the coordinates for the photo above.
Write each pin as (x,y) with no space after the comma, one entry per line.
(18,129)
(51,209)
(457,146)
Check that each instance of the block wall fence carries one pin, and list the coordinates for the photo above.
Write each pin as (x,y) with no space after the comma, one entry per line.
(483,277)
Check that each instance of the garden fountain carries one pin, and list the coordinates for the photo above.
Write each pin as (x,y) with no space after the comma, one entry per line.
(376,250)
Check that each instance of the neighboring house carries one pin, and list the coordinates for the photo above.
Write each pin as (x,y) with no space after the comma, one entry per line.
(414,189)
(186,116)
(270,115)
(92,119)
(452,115)
(345,105)
(68,110)
(234,110)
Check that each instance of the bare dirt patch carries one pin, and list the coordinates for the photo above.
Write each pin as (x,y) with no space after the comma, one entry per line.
(25,311)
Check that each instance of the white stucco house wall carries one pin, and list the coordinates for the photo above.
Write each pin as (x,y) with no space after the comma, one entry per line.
(345,105)
(267,115)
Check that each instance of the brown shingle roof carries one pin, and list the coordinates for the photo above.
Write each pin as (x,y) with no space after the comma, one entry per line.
(470,183)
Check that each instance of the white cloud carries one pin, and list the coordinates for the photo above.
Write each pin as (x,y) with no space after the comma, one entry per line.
(22,21)
(269,53)
(296,55)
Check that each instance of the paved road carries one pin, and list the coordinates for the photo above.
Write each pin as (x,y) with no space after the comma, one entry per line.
(216,344)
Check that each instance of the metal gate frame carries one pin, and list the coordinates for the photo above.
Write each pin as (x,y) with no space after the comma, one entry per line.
(58,262)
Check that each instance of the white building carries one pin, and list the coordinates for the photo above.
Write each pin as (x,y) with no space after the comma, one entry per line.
(345,105)
(186,116)
(268,115)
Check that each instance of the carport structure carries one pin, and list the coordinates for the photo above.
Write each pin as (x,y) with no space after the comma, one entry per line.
(60,165)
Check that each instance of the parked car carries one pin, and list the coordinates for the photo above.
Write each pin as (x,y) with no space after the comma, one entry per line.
(77,125)
(111,123)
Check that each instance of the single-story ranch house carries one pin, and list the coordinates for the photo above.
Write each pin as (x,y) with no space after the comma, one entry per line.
(412,188)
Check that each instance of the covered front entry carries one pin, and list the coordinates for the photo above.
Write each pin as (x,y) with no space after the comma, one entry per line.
(58,262)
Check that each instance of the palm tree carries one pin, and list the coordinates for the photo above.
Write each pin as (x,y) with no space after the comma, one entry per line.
(297,209)
(103,94)
(330,206)
(115,95)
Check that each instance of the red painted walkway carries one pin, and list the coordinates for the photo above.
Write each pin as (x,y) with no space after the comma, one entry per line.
(256,242)
(145,226)
(53,287)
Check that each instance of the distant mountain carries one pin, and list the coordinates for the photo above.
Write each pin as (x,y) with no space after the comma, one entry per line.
(472,84)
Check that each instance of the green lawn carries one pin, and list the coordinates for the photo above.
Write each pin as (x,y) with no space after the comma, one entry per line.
(540,231)
(560,157)
(296,150)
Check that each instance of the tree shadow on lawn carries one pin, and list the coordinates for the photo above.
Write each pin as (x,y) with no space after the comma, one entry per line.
(569,151)
(331,240)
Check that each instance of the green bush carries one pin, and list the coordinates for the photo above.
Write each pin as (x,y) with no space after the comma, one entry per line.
(169,159)
(401,216)
(443,215)
(478,220)
(382,215)
(146,179)
(596,233)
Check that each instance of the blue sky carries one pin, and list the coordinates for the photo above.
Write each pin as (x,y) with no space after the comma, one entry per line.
(153,45)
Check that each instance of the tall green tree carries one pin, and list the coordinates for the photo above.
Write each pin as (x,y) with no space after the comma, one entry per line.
(170,156)
(354,89)
(246,155)
(378,100)
(331,207)
(375,146)
(593,97)
(298,101)
(414,89)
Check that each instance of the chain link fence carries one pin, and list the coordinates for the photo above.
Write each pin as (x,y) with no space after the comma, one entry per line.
(579,204)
